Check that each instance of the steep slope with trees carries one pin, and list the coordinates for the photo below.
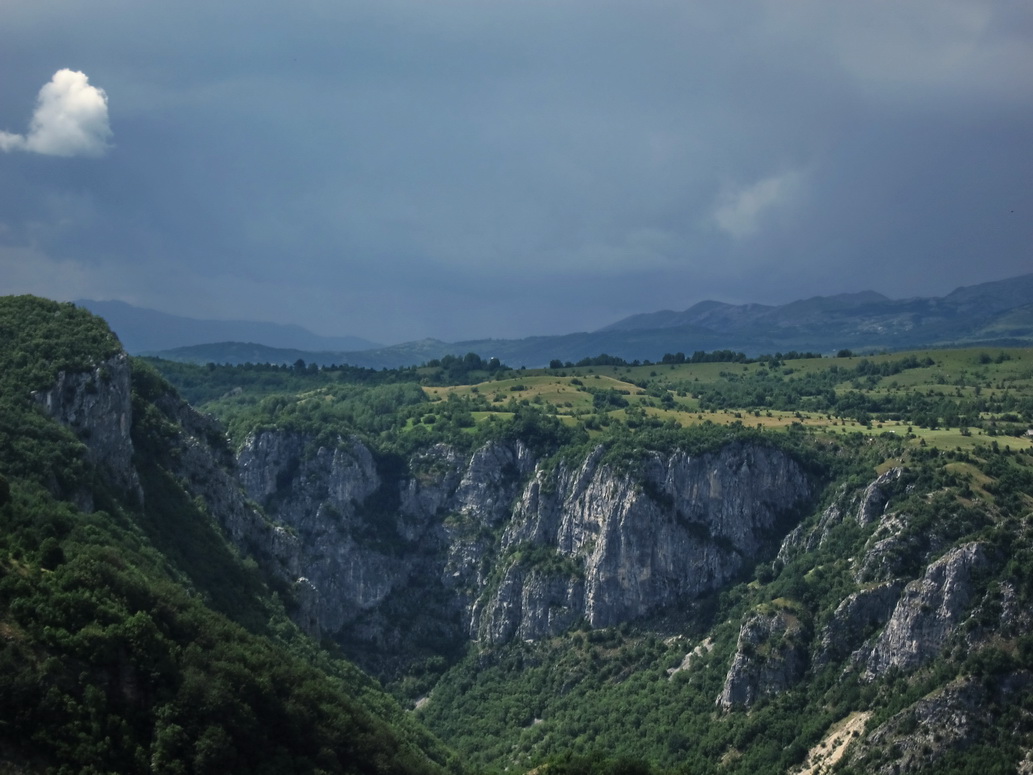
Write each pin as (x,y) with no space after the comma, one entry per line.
(135,638)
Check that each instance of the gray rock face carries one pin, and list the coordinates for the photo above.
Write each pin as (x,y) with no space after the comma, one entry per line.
(275,465)
(855,619)
(197,456)
(770,656)
(689,525)
(366,539)
(890,550)
(317,495)
(518,551)
(876,497)
(949,719)
(206,469)
(866,508)
(491,480)
(97,406)
(928,613)
(528,604)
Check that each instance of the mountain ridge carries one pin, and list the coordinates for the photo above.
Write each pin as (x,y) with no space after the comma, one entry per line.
(144,330)
(989,314)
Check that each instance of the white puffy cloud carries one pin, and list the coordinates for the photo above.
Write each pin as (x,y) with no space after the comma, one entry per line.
(71,119)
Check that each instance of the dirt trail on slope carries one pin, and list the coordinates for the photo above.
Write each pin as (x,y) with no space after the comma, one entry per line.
(830,750)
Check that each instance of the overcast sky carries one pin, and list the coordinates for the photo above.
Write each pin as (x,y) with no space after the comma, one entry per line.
(397,169)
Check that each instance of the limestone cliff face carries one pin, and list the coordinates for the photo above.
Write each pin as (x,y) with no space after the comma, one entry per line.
(855,619)
(205,468)
(950,718)
(319,496)
(876,497)
(867,507)
(276,466)
(627,546)
(371,532)
(896,618)
(515,550)
(97,406)
(928,612)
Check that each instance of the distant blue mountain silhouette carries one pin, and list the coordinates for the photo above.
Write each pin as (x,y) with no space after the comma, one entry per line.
(146,330)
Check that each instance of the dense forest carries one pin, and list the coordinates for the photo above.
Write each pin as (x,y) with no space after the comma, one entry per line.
(147,627)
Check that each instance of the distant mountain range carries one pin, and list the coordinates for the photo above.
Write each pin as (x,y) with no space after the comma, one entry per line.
(990,314)
(146,331)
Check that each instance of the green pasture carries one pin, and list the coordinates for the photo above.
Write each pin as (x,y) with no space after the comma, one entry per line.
(983,378)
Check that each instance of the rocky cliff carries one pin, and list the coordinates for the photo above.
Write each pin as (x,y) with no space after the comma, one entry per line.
(626,546)
(493,545)
(109,405)
(512,549)
(894,620)
(770,656)
(96,404)
(928,613)
(903,603)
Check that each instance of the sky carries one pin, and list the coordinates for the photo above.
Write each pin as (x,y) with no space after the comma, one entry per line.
(463,169)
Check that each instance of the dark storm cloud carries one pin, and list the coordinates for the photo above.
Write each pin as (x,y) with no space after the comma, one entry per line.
(463,169)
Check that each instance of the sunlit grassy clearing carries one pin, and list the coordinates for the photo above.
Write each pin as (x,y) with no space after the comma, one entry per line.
(986,373)
(558,392)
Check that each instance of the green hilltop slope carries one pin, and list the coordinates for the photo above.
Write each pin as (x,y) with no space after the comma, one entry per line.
(133,637)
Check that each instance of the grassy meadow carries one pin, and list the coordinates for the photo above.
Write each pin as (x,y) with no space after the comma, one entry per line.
(940,398)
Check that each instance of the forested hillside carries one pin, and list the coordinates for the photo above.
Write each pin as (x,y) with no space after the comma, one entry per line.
(711,564)
(134,637)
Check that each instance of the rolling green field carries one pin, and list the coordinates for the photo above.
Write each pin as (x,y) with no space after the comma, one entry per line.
(943,398)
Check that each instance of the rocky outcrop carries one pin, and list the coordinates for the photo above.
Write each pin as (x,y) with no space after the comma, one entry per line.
(928,612)
(855,619)
(277,468)
(487,545)
(530,602)
(197,455)
(892,550)
(374,534)
(97,406)
(320,496)
(876,496)
(952,718)
(770,657)
(867,507)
